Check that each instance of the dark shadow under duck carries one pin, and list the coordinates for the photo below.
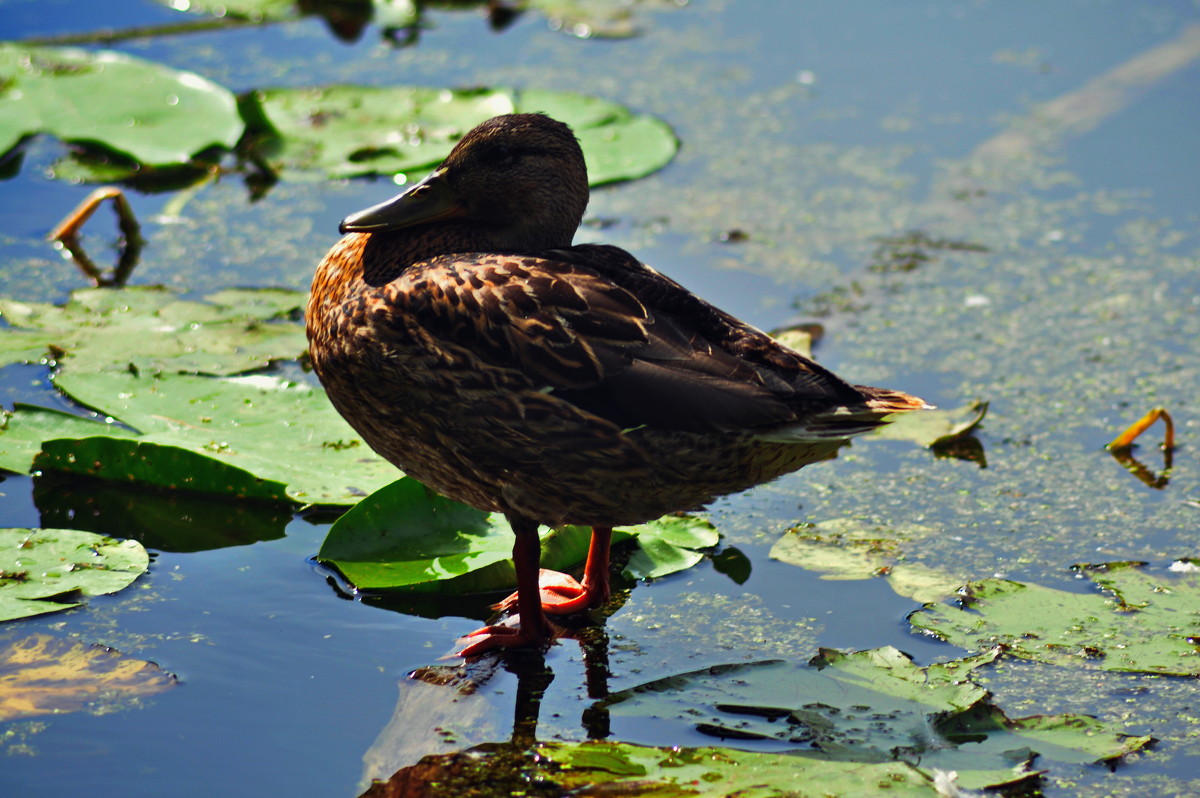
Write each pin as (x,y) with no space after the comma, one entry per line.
(459,332)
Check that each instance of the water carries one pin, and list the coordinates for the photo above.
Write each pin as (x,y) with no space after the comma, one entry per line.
(817,129)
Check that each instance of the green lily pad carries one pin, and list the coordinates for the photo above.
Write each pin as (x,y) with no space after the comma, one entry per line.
(1141,622)
(848,548)
(140,355)
(241,421)
(933,428)
(127,460)
(406,537)
(138,109)
(669,545)
(27,426)
(152,329)
(46,570)
(620,768)
(346,131)
(866,707)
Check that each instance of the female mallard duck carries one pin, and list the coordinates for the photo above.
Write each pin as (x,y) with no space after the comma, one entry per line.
(466,340)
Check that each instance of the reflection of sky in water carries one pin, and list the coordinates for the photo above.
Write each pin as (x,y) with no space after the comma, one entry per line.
(815,128)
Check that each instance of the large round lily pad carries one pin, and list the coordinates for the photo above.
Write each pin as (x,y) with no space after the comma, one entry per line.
(347,131)
(138,109)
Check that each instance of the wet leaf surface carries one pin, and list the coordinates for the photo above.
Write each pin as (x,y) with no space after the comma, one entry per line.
(1140,620)
(622,769)
(45,570)
(404,536)
(849,548)
(871,706)
(138,109)
(933,428)
(347,131)
(152,329)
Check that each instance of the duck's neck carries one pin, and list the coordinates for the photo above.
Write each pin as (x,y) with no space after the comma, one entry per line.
(376,259)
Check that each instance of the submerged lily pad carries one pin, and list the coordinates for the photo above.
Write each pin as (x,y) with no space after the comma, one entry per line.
(45,570)
(346,131)
(43,675)
(1141,622)
(866,707)
(406,537)
(138,109)
(848,548)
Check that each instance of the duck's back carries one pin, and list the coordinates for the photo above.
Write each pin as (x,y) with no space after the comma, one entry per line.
(575,385)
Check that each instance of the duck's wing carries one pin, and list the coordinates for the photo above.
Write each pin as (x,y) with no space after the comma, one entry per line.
(638,352)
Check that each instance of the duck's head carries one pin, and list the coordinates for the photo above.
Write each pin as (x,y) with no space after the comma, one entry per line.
(516,182)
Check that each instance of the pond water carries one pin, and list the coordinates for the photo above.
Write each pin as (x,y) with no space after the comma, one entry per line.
(821,130)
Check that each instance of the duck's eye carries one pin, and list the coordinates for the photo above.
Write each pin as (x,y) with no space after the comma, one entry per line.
(500,155)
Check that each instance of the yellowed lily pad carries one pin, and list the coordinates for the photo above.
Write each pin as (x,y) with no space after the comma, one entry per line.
(42,675)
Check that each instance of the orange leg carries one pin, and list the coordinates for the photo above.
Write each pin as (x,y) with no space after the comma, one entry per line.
(534,628)
(560,594)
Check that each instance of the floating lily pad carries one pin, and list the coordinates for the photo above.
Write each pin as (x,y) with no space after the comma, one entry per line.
(138,109)
(934,427)
(276,429)
(140,461)
(406,537)
(866,707)
(43,675)
(27,426)
(1141,622)
(848,548)
(619,768)
(669,545)
(152,329)
(346,131)
(45,570)
(166,368)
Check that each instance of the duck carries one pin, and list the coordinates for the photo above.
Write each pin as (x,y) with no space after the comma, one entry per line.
(469,342)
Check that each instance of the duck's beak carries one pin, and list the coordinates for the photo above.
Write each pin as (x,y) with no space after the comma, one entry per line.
(427,201)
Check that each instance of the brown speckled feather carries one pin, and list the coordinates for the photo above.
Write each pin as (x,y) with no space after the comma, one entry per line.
(481,353)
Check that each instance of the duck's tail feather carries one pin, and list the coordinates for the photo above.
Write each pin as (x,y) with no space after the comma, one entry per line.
(849,420)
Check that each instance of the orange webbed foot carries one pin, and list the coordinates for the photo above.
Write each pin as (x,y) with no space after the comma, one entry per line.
(561,594)
(503,635)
